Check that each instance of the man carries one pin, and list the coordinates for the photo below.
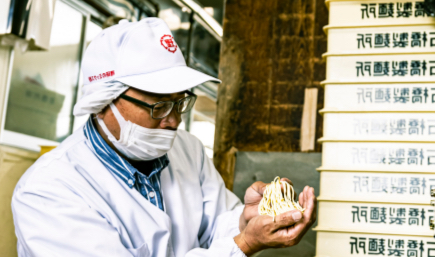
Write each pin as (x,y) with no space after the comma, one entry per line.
(129,183)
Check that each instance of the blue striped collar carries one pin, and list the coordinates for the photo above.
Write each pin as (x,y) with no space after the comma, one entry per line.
(115,163)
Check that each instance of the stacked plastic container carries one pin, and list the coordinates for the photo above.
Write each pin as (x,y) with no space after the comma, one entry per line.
(378,164)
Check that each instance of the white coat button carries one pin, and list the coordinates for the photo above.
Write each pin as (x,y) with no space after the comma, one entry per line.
(130,182)
(152,194)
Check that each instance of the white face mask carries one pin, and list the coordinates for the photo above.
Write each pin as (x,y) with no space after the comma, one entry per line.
(139,143)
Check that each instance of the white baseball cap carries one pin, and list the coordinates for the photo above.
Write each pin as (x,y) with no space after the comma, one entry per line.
(142,55)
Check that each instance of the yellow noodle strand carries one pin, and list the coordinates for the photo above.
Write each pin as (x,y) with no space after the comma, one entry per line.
(275,201)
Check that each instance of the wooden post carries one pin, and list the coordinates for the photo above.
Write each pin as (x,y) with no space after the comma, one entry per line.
(309,113)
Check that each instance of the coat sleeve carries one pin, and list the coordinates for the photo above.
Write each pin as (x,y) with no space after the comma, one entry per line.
(221,213)
(60,223)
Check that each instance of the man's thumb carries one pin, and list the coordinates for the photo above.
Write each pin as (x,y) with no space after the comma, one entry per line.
(288,218)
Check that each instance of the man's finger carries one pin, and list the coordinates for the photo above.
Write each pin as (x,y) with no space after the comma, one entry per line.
(309,214)
(310,202)
(304,200)
(301,199)
(287,180)
(287,219)
(313,200)
(259,187)
(306,193)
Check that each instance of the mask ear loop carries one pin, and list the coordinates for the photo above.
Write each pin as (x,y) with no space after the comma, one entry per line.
(105,129)
(122,122)
(119,118)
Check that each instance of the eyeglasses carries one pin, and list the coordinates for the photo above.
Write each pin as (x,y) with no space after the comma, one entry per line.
(162,109)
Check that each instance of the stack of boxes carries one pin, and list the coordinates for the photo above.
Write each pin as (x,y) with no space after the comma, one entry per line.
(378,164)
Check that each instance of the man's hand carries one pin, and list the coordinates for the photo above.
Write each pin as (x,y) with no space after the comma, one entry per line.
(287,230)
(253,196)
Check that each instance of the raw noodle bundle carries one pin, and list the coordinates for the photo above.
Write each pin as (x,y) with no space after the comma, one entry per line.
(275,202)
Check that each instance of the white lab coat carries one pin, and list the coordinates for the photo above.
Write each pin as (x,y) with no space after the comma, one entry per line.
(69,204)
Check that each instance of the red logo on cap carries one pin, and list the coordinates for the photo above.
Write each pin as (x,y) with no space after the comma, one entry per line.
(168,43)
(102,75)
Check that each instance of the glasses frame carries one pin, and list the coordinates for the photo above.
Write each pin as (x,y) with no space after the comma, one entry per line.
(151,106)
